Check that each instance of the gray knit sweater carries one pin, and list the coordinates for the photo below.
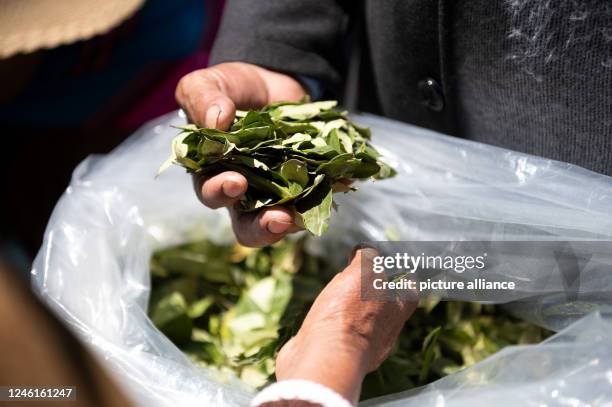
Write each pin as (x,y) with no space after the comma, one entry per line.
(529,75)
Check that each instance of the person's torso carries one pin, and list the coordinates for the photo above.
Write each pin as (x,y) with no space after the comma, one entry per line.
(527,75)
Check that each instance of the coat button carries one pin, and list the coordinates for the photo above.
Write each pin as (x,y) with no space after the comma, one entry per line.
(431,94)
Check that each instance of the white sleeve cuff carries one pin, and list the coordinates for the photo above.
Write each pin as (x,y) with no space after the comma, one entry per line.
(300,390)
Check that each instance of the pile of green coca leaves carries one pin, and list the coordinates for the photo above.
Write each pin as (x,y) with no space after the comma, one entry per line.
(293,154)
(231,308)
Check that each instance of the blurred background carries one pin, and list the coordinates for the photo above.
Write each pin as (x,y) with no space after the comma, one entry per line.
(76,78)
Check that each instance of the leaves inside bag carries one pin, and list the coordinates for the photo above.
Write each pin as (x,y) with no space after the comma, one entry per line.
(231,308)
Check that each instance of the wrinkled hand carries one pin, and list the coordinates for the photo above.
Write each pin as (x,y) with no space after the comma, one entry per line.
(342,337)
(210,98)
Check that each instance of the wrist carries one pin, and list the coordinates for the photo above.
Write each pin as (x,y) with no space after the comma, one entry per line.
(329,362)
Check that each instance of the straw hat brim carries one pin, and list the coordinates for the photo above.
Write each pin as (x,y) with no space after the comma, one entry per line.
(30,25)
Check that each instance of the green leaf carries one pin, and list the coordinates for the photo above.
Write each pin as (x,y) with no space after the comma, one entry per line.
(295,171)
(296,127)
(428,352)
(346,141)
(296,138)
(385,171)
(170,316)
(179,150)
(260,181)
(302,112)
(169,308)
(250,162)
(334,142)
(211,148)
(328,127)
(199,308)
(316,218)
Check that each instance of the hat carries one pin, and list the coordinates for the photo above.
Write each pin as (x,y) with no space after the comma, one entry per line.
(29,25)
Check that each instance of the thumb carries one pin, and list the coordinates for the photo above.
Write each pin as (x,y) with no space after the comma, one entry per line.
(362,255)
(205,103)
(361,265)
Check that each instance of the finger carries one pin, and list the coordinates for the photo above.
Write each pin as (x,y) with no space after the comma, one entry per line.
(201,95)
(263,228)
(362,254)
(210,96)
(362,266)
(224,189)
(358,272)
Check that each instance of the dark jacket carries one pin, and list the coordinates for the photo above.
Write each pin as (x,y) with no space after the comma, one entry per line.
(529,75)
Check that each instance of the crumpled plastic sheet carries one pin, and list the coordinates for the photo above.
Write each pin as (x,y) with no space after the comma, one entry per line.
(449,189)
(572,368)
(92,268)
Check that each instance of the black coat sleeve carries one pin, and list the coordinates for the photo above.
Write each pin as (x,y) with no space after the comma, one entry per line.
(298,37)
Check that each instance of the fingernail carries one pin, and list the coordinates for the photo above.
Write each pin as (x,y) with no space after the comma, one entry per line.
(231,189)
(359,247)
(275,226)
(212,116)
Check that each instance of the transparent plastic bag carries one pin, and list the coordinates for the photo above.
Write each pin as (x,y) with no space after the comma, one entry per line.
(93,266)
(572,368)
(450,189)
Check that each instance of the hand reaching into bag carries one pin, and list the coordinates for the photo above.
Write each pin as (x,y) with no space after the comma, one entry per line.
(343,337)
